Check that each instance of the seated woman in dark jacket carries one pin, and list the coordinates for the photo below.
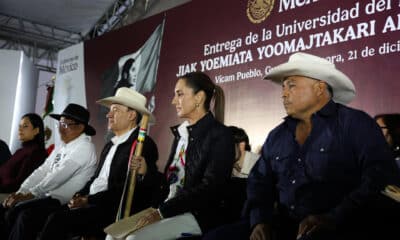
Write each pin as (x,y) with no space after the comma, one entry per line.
(26,159)
(199,166)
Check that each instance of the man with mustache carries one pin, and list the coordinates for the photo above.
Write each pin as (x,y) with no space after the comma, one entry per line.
(322,170)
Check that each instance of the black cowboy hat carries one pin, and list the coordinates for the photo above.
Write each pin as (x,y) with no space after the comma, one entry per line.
(79,114)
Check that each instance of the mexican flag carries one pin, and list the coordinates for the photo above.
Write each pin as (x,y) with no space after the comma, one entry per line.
(48,107)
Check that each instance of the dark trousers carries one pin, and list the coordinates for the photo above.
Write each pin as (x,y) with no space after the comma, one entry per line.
(280,231)
(68,223)
(366,229)
(3,224)
(25,219)
(235,231)
(242,230)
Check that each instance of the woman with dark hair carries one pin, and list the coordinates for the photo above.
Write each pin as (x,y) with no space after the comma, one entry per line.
(390,126)
(244,158)
(126,75)
(26,159)
(199,166)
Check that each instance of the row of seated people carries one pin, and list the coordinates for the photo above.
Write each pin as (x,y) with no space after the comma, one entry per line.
(64,181)
(31,154)
(55,196)
(320,174)
(303,175)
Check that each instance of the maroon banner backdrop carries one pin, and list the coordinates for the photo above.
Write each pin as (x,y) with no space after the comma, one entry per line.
(237,43)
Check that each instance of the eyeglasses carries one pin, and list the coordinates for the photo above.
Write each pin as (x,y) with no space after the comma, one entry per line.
(66,125)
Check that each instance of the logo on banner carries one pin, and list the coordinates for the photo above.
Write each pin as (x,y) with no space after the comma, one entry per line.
(259,10)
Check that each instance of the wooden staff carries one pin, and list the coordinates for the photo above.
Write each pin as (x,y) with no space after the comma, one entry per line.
(132,176)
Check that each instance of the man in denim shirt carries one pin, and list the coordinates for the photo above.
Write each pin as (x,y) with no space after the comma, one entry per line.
(322,170)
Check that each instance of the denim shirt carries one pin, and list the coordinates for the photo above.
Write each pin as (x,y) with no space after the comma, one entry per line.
(343,162)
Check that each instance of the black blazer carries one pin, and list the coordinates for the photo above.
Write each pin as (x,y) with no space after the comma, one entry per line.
(210,156)
(145,188)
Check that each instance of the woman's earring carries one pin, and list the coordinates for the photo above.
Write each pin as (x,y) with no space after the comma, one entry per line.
(197,105)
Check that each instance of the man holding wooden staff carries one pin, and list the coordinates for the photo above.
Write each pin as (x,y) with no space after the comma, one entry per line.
(96,205)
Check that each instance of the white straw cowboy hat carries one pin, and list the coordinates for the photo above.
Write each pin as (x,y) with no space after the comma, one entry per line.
(130,98)
(307,65)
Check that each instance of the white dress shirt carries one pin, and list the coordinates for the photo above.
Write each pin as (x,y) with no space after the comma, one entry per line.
(101,182)
(64,172)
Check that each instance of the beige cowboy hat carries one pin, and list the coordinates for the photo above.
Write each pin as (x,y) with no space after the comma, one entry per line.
(307,65)
(130,98)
